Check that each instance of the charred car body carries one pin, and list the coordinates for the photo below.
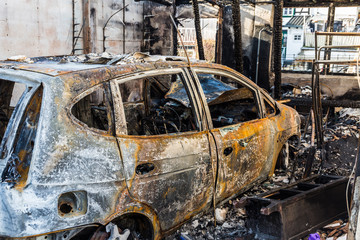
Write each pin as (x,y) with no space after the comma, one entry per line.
(145,144)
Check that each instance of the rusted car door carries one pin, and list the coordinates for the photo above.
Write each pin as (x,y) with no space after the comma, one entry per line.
(165,149)
(244,139)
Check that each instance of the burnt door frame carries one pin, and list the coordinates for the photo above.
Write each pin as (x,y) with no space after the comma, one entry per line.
(223,187)
(181,183)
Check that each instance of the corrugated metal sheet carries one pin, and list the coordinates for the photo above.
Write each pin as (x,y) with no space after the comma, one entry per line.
(297,21)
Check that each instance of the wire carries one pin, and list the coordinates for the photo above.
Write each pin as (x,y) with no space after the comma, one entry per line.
(332,93)
(350,177)
(181,40)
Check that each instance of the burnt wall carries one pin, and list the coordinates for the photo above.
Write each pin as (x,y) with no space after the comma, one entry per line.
(45,28)
(264,67)
(124,31)
(228,56)
(34,28)
(158,27)
(253,19)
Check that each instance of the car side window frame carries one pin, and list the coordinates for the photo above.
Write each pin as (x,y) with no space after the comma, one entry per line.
(265,96)
(233,76)
(108,104)
(119,111)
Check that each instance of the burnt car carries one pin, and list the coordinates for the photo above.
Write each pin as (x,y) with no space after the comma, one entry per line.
(139,142)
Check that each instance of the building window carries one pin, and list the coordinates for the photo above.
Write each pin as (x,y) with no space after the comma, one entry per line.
(288,12)
(297,37)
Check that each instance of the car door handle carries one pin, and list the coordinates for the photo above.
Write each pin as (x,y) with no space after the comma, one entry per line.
(144,168)
(228,151)
(244,142)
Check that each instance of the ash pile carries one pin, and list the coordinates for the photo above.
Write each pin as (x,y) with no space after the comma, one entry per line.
(341,135)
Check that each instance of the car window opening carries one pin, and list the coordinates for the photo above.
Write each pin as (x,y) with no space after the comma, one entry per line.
(10,94)
(17,167)
(269,108)
(229,101)
(92,110)
(157,105)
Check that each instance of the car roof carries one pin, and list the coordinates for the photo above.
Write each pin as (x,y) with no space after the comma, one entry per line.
(61,65)
(84,71)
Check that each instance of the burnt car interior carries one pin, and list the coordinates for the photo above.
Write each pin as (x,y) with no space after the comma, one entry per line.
(92,110)
(160,104)
(157,105)
(270,109)
(229,101)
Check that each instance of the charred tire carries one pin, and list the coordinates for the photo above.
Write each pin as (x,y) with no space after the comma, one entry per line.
(287,153)
(140,229)
(282,162)
(139,226)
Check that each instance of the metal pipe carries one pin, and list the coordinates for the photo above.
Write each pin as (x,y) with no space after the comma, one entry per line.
(106,23)
(339,33)
(316,48)
(337,46)
(258,53)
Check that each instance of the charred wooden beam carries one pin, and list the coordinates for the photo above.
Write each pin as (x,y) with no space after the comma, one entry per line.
(277,46)
(326,103)
(320,3)
(86,28)
(198,29)
(219,36)
(237,36)
(213,2)
(174,31)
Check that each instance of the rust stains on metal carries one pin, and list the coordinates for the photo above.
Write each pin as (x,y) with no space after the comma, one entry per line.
(16,171)
(96,147)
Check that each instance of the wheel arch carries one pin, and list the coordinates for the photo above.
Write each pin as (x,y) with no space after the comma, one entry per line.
(295,138)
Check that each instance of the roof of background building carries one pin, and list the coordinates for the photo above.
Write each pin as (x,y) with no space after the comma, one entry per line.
(297,21)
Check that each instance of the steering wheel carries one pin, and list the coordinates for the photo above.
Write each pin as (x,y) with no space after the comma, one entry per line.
(158,123)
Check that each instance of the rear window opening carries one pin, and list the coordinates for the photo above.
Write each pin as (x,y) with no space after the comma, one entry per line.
(92,110)
(10,94)
(18,163)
